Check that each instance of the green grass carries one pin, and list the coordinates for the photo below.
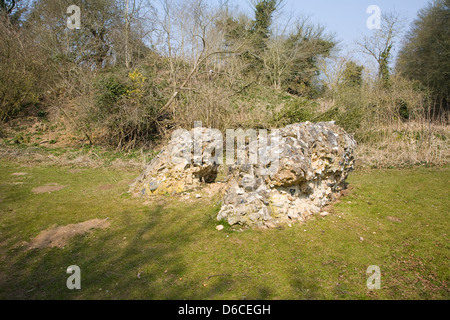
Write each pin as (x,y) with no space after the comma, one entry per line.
(179,254)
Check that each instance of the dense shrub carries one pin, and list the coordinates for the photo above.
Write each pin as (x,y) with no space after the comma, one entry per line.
(125,108)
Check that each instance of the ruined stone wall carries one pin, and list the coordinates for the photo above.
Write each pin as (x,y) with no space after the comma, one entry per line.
(177,167)
(285,176)
(314,161)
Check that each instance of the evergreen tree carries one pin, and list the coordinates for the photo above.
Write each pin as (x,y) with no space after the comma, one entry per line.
(264,10)
(425,55)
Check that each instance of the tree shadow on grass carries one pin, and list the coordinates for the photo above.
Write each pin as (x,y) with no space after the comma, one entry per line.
(304,286)
(146,255)
(141,259)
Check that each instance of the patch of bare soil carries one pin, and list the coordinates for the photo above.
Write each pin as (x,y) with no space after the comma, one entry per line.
(19,173)
(59,235)
(49,187)
(394,219)
(106,186)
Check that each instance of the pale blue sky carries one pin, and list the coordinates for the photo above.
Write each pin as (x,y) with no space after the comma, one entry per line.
(347,18)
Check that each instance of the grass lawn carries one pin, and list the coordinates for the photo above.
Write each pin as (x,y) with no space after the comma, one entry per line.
(170,249)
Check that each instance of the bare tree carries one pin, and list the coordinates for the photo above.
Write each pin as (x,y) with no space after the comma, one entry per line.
(332,70)
(291,54)
(191,39)
(379,45)
(129,12)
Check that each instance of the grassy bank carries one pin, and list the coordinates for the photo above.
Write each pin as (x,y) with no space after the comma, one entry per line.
(168,248)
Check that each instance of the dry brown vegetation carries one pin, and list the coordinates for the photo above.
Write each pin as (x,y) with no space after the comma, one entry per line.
(126,87)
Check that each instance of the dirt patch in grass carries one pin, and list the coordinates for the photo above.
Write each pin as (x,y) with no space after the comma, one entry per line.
(59,235)
(49,187)
(19,173)
(106,187)
(394,219)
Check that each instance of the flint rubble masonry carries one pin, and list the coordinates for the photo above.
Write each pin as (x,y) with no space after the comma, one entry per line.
(305,166)
(177,167)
